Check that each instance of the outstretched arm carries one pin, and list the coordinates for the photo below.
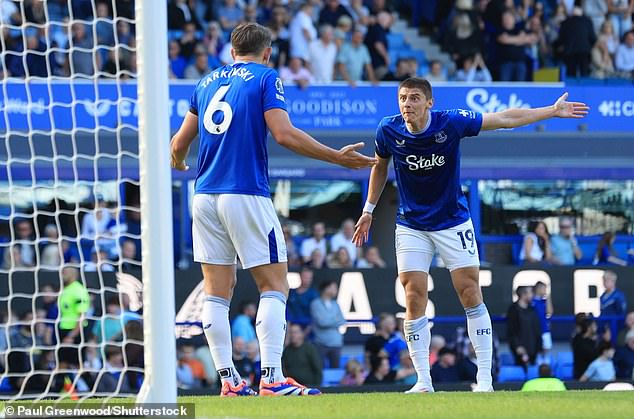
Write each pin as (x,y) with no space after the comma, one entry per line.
(298,141)
(378,177)
(182,140)
(514,118)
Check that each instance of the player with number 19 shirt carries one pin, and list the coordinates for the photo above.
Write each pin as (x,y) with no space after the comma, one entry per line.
(433,213)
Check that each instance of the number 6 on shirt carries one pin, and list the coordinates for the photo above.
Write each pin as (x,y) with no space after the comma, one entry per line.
(216,104)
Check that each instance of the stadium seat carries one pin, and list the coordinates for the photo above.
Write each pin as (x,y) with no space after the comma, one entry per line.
(5,386)
(332,376)
(532,372)
(564,371)
(395,40)
(564,358)
(507,359)
(508,373)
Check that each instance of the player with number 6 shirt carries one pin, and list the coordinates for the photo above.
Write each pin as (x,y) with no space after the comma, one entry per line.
(433,215)
(233,215)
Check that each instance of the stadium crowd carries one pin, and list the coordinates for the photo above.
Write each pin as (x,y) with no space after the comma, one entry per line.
(319,41)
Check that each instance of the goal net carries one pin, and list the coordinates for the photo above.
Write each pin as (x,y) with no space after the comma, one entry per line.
(72,317)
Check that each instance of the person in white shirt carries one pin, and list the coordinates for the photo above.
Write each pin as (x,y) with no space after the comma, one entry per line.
(323,53)
(316,242)
(625,54)
(303,32)
(344,239)
(296,73)
(95,223)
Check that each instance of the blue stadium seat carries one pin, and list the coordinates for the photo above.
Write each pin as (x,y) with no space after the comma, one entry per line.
(395,40)
(565,357)
(508,373)
(507,359)
(564,371)
(532,372)
(332,376)
(5,386)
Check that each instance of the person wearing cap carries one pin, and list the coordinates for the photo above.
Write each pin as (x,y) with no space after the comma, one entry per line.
(624,358)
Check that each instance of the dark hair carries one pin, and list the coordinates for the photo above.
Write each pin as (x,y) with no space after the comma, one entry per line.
(417,83)
(532,226)
(603,346)
(521,290)
(605,241)
(244,304)
(538,284)
(585,324)
(250,39)
(326,284)
(545,371)
(375,362)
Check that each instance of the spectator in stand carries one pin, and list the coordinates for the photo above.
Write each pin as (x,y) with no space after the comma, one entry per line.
(213,39)
(447,370)
(523,329)
(629,325)
(189,41)
(326,318)
(25,237)
(436,343)
(294,261)
(376,41)
(331,13)
(596,11)
(607,34)
(199,68)
(343,238)
(179,14)
(95,222)
(340,259)
(354,376)
(545,381)
(540,51)
(80,60)
(605,253)
(625,55)
(360,14)
(584,346)
(380,372)
(436,72)
(280,45)
(403,71)
(239,355)
(300,298)
(36,57)
(405,369)
(104,26)
(511,45)
(602,63)
(394,347)
(564,247)
(624,358)
(602,368)
(242,325)
(372,259)
(613,302)
(323,53)
(99,261)
(353,59)
(464,39)
(473,69)
(316,241)
(176,60)
(544,308)
(576,39)
(229,15)
(296,73)
(129,260)
(109,328)
(620,14)
(536,246)
(302,32)
(253,355)
(375,345)
(188,356)
(300,359)
(343,31)
(317,259)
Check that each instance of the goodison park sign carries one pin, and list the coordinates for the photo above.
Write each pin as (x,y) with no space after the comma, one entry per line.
(67,105)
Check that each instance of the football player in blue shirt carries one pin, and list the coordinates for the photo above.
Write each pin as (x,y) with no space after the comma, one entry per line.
(433,213)
(233,215)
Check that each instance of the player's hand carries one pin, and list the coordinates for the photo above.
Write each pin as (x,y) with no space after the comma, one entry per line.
(361,229)
(564,109)
(178,164)
(350,158)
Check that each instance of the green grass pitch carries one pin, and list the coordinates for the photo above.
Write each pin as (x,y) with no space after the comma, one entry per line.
(502,405)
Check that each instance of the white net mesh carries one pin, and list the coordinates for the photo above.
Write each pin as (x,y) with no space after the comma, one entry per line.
(69,200)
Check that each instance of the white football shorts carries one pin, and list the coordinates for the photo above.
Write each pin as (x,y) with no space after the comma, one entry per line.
(415,249)
(229,225)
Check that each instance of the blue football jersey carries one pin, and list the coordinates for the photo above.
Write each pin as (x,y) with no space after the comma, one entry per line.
(230,103)
(427,167)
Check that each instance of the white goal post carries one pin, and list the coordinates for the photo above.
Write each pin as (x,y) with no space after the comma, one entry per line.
(159,385)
